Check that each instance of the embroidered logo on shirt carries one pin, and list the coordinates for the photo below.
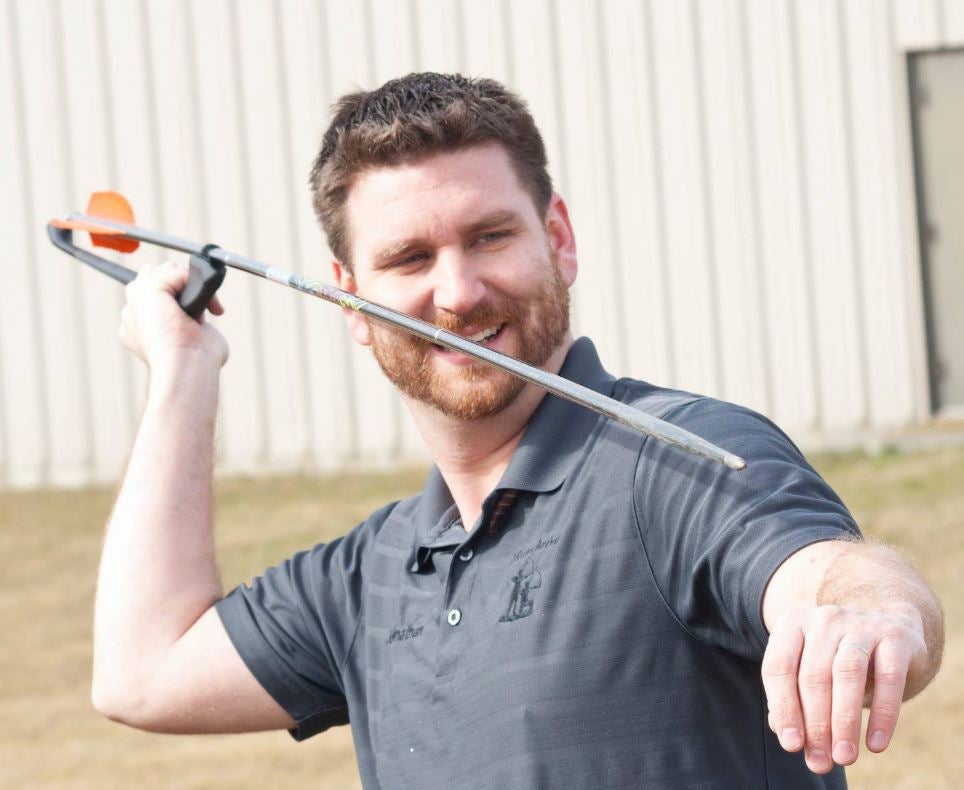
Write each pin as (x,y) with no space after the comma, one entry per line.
(544,543)
(526,579)
(401,634)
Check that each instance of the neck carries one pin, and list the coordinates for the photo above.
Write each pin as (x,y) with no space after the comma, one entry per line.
(472,455)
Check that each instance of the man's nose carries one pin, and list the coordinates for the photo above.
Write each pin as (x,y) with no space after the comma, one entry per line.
(457,287)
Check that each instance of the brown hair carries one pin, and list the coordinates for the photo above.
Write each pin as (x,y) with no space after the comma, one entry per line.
(413,117)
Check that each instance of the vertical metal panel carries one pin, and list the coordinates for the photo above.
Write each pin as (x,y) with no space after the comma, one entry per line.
(911,320)
(824,125)
(741,326)
(25,390)
(782,214)
(952,12)
(738,173)
(486,45)
(875,192)
(60,317)
(691,301)
(598,310)
(856,248)
(918,23)
(90,166)
(133,137)
(635,206)
(392,36)
(536,75)
(270,228)
(439,29)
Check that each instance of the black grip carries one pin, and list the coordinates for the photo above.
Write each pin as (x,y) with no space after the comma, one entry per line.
(203,282)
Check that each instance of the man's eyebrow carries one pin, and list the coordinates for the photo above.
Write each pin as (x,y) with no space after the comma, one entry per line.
(500,217)
(398,248)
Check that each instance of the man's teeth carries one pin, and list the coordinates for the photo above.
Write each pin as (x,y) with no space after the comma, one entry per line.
(485,334)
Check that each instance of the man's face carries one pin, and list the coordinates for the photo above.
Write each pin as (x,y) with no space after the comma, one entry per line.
(456,240)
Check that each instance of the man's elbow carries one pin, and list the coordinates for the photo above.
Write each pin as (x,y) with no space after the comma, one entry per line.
(123,703)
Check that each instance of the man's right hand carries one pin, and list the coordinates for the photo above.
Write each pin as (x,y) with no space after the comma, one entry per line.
(153,325)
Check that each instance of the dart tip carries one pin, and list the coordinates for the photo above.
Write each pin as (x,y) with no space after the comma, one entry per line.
(734,462)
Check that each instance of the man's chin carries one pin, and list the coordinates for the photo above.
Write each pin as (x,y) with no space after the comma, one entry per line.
(473,394)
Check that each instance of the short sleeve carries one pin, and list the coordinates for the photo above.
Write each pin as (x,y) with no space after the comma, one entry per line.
(713,537)
(294,625)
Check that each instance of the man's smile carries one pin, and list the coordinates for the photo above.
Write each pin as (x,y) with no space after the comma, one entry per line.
(489,337)
(485,334)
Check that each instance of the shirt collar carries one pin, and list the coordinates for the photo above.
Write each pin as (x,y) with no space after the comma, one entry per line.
(547,454)
(553,442)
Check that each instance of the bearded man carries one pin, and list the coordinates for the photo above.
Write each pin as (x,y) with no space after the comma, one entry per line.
(565,604)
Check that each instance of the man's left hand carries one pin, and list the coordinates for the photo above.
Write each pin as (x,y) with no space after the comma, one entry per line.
(824,663)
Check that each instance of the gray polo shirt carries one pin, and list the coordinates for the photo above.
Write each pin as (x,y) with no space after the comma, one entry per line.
(600,625)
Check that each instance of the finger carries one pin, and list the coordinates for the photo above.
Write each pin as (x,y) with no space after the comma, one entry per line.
(779,672)
(850,666)
(815,683)
(169,276)
(215,306)
(891,663)
(173,272)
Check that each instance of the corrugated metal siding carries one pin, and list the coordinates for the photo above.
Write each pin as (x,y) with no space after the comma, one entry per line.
(738,172)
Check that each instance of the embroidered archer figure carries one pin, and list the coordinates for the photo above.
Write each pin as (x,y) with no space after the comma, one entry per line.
(526,579)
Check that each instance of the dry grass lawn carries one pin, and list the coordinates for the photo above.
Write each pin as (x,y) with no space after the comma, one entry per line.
(51,738)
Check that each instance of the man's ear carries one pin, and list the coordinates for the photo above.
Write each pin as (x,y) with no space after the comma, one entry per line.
(562,239)
(357,325)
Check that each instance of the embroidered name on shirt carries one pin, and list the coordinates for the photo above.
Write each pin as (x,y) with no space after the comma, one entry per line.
(401,634)
(544,543)
(526,579)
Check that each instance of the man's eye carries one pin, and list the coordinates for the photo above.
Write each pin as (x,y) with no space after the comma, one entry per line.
(493,236)
(412,258)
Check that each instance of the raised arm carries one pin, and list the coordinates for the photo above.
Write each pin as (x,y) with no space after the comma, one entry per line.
(851,624)
(162,659)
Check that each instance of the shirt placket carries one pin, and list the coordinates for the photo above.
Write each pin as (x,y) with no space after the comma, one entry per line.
(458,626)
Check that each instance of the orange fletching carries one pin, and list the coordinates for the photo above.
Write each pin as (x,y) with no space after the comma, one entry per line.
(111,205)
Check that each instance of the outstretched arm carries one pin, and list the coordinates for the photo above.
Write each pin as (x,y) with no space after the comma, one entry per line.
(850,624)
(162,659)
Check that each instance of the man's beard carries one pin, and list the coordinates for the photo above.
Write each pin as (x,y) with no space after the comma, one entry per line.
(476,390)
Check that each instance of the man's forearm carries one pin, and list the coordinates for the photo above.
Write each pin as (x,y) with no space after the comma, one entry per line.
(158,572)
(876,578)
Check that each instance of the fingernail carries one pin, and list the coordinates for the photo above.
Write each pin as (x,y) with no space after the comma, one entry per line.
(791,739)
(816,759)
(878,740)
(844,752)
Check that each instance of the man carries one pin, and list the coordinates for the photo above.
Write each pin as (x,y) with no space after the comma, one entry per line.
(566,603)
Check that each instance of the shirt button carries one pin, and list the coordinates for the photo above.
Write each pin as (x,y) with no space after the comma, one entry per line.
(454,616)
(466,554)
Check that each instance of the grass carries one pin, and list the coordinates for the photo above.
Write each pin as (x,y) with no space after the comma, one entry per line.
(51,737)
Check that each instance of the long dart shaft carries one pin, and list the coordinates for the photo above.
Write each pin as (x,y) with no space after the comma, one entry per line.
(564,388)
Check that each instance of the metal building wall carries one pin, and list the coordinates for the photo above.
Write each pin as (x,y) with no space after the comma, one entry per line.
(738,171)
